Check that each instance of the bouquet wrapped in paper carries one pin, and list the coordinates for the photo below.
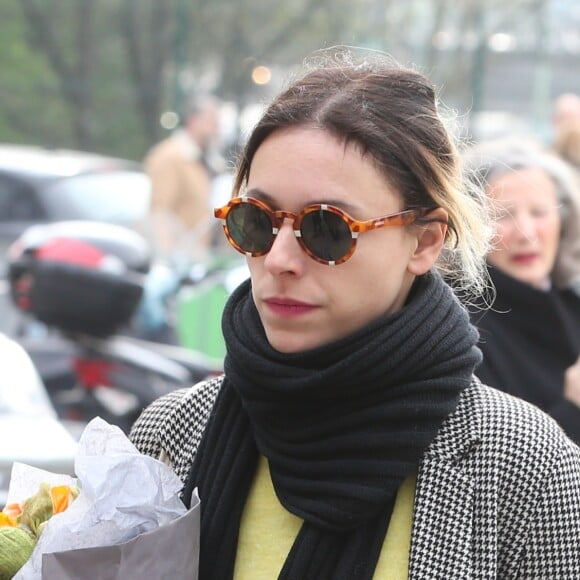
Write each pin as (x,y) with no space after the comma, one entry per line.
(122,518)
(22,523)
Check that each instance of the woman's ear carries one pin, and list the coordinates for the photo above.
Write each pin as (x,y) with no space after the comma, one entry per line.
(430,240)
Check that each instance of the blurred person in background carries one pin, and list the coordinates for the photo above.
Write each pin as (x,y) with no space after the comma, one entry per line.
(565,112)
(179,224)
(567,145)
(530,337)
(181,171)
(349,437)
(566,124)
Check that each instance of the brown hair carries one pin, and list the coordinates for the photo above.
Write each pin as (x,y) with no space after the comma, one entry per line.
(390,113)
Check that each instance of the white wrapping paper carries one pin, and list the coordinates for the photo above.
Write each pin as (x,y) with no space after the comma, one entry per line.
(128,504)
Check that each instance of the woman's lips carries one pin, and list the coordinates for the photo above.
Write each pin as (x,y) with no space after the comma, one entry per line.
(288,306)
(525,259)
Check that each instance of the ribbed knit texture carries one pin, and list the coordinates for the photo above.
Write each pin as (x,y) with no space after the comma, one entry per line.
(341,425)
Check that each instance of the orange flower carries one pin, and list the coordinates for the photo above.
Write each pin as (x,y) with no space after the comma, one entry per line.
(62,496)
(12,510)
(6,520)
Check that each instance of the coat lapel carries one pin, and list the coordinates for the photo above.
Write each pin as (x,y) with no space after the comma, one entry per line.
(441,544)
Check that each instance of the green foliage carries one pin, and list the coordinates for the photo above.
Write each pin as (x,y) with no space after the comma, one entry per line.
(31,110)
(98,75)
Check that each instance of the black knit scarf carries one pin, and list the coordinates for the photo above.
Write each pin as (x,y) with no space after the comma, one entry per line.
(341,426)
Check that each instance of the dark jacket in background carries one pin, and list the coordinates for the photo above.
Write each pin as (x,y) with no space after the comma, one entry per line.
(529,338)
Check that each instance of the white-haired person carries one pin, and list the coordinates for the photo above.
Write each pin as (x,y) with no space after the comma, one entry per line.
(530,337)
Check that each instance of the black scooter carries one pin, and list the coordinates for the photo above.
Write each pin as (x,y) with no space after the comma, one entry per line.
(83,281)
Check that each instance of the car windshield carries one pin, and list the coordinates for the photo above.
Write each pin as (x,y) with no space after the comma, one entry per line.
(119,197)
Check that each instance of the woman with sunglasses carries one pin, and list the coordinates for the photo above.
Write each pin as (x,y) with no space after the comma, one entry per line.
(349,437)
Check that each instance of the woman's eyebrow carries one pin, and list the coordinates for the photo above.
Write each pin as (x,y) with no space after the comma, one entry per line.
(260,194)
(257,193)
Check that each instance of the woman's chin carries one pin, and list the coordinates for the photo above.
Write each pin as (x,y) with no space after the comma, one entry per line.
(290,342)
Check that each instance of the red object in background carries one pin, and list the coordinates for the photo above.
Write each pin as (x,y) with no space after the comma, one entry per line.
(70,251)
(93,372)
(22,291)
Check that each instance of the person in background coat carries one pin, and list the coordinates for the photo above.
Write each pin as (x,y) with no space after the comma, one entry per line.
(180,217)
(349,438)
(530,337)
(179,221)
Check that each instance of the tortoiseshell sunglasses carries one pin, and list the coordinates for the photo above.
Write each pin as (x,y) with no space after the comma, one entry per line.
(326,233)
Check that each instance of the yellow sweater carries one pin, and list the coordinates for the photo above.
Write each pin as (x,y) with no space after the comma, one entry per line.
(268,531)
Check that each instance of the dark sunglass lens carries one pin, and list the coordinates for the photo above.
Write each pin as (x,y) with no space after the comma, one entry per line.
(250,228)
(326,235)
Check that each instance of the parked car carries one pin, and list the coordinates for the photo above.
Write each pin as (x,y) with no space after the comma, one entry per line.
(39,185)
(29,429)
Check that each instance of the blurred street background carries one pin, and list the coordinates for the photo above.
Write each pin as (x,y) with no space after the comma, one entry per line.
(110,76)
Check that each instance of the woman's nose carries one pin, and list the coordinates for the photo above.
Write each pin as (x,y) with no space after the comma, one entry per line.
(285,255)
(525,225)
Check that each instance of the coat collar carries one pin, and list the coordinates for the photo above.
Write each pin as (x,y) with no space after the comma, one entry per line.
(441,544)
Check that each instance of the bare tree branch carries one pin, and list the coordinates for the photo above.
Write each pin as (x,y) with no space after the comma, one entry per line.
(148,48)
(74,78)
(43,37)
(281,37)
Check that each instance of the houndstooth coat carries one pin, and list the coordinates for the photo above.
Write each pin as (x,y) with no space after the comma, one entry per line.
(498,490)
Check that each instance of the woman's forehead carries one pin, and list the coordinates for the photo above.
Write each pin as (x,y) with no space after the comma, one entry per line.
(309,165)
